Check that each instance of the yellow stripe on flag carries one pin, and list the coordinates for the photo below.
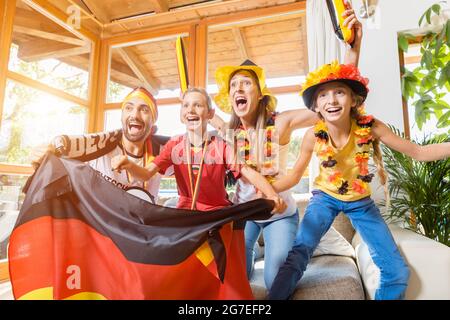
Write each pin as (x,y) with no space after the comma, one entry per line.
(205,254)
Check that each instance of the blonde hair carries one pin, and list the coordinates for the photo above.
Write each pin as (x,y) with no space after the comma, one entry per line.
(202,91)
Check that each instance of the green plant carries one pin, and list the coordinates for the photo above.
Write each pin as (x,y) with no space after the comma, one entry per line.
(420,191)
(428,85)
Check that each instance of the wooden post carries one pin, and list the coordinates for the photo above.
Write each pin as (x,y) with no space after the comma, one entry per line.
(404,102)
(7,10)
(100,72)
(201,43)
(191,53)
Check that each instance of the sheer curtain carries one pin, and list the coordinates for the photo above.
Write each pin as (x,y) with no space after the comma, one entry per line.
(323,47)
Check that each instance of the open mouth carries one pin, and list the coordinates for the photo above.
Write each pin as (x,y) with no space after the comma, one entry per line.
(334,110)
(135,127)
(193,119)
(241,102)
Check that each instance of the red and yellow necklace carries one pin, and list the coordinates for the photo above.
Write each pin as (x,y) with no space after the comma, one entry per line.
(244,146)
(147,158)
(363,143)
(194,186)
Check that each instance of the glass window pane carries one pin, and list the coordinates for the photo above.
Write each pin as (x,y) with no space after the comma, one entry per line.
(11,199)
(429,128)
(151,64)
(44,51)
(31,118)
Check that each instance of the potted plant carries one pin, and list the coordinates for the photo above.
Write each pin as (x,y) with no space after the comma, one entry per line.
(420,192)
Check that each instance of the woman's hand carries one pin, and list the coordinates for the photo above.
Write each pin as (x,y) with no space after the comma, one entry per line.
(280,205)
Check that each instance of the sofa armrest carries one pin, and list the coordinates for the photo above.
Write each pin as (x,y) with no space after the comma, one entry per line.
(428,260)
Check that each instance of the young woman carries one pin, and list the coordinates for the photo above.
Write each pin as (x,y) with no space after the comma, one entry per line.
(243,94)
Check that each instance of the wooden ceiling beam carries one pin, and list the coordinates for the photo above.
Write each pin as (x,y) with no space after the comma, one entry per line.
(97,10)
(139,69)
(239,36)
(119,73)
(32,19)
(39,50)
(160,6)
(48,35)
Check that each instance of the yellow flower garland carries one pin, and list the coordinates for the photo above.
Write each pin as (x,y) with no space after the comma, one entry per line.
(325,153)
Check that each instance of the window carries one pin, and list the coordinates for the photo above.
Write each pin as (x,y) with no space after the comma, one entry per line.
(32,118)
(11,199)
(411,60)
(151,64)
(44,51)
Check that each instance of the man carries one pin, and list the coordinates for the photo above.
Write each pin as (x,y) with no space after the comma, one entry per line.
(136,140)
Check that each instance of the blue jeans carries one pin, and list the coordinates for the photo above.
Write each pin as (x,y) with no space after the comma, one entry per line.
(279,236)
(367,220)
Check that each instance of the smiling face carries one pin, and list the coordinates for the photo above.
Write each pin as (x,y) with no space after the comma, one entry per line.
(244,93)
(137,120)
(194,112)
(334,101)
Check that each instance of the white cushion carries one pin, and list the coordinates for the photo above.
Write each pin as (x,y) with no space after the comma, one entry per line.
(428,260)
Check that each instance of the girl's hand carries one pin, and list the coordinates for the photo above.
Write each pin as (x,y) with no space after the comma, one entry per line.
(352,23)
(119,163)
(280,205)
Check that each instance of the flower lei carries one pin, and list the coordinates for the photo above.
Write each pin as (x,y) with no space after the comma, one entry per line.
(363,141)
(243,145)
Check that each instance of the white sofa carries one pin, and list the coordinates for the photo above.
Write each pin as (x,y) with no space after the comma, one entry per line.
(428,260)
(337,275)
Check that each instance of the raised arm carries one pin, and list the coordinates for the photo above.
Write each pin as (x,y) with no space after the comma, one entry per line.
(261,183)
(219,124)
(306,150)
(352,53)
(429,152)
(137,172)
(290,120)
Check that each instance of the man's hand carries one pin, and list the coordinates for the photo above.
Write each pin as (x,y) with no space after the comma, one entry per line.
(119,163)
(38,153)
(352,22)
(280,205)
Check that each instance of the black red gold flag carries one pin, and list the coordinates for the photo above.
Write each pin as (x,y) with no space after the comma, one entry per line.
(80,237)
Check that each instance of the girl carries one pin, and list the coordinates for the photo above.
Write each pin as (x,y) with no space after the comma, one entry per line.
(243,93)
(342,141)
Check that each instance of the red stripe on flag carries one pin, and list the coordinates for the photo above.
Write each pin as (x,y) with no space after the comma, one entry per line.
(72,257)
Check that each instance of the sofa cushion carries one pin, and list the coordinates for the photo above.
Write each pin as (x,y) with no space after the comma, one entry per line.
(327,277)
(342,223)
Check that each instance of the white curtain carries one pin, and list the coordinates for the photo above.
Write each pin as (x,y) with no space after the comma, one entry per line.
(323,47)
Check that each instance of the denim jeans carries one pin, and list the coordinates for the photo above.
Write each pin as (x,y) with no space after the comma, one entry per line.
(367,220)
(279,236)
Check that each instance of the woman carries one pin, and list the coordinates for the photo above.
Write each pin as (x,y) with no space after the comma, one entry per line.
(244,95)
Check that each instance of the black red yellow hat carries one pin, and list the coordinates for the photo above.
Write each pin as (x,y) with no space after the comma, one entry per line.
(223,75)
(346,73)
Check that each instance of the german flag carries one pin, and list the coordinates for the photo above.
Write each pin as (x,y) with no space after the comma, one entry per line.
(80,237)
